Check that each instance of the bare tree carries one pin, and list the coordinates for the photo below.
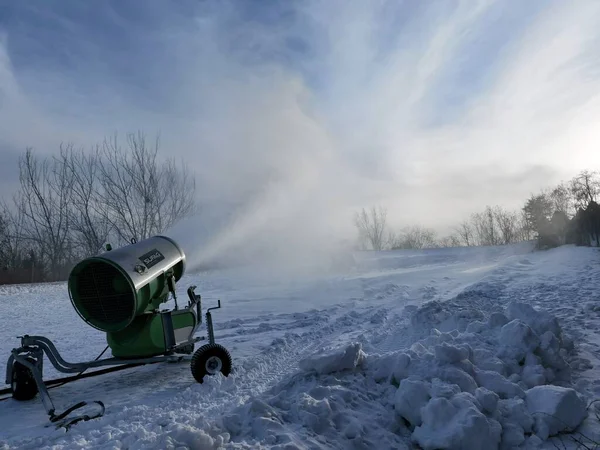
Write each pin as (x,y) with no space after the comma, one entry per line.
(393,241)
(5,253)
(89,223)
(371,226)
(44,203)
(585,188)
(507,223)
(524,230)
(455,240)
(69,204)
(142,196)
(178,187)
(417,237)
(465,233)
(563,200)
(14,244)
(451,241)
(484,225)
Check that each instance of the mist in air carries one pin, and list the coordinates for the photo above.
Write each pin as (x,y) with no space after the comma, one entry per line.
(294,115)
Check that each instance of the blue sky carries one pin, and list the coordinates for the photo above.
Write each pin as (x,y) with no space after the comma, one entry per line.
(344,103)
(130,48)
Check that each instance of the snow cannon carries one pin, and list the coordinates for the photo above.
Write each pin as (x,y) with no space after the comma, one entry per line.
(111,290)
(120,292)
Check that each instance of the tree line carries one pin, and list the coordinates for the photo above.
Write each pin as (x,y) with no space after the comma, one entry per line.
(69,205)
(564,214)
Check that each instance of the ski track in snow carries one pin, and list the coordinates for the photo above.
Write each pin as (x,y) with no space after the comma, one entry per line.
(270,326)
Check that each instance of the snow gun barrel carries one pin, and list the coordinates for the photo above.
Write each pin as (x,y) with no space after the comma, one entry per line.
(110,290)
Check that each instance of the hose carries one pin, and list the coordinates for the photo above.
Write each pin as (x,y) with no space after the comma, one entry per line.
(80,373)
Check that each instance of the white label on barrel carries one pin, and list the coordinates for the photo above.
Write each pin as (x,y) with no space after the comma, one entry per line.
(151,258)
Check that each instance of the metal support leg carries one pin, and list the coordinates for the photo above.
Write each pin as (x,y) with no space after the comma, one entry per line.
(169,333)
(37,375)
(195,299)
(209,324)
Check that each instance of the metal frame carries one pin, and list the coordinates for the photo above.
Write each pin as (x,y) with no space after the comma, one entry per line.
(37,346)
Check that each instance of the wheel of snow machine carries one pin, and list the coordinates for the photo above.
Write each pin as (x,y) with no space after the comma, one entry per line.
(210,359)
(23,383)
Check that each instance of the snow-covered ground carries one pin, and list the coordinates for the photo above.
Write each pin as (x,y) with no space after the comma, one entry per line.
(449,348)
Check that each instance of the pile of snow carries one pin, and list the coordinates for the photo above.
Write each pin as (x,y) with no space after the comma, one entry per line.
(349,359)
(499,383)
(489,384)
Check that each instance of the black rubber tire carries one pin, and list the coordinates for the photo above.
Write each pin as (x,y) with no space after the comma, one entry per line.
(23,385)
(207,355)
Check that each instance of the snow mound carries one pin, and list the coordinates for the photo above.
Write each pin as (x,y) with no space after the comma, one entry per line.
(487,386)
(456,423)
(555,409)
(351,358)
(330,400)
